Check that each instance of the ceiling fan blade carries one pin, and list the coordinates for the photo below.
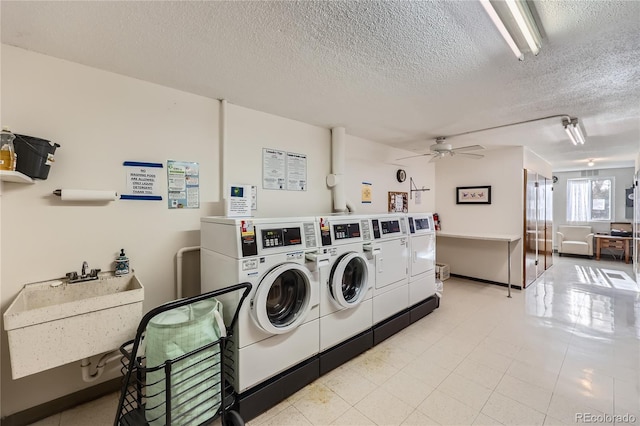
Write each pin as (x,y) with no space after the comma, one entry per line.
(468,155)
(435,158)
(413,156)
(469,148)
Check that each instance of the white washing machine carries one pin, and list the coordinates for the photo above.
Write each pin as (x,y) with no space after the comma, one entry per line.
(277,331)
(390,253)
(422,262)
(346,289)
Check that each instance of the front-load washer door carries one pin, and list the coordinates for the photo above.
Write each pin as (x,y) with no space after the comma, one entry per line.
(349,280)
(282,299)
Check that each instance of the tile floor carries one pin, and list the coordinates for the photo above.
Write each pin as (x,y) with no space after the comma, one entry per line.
(567,346)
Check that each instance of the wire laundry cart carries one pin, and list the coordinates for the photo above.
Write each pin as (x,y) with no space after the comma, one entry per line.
(174,369)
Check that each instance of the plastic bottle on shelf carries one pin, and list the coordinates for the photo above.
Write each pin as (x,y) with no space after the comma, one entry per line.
(8,156)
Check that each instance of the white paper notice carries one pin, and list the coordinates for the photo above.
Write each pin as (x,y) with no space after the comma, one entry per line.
(296,172)
(273,169)
(143,180)
(239,201)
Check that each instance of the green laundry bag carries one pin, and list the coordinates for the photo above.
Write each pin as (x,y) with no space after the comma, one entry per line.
(195,381)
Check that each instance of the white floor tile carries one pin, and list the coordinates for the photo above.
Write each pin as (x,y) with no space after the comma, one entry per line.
(349,384)
(530,374)
(271,413)
(409,389)
(430,373)
(384,408)
(321,405)
(290,416)
(418,419)
(447,410)
(484,420)
(353,417)
(479,373)
(565,409)
(525,393)
(465,390)
(511,412)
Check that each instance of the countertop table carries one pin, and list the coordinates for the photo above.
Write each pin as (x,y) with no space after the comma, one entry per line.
(508,238)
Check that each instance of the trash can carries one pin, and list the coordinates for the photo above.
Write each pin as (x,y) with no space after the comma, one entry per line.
(35,155)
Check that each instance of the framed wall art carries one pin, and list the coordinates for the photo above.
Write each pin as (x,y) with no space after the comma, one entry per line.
(473,195)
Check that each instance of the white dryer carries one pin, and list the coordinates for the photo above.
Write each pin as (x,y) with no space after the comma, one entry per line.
(422,279)
(346,289)
(390,253)
(277,332)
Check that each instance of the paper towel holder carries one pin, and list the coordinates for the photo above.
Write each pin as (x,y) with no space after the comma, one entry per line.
(82,195)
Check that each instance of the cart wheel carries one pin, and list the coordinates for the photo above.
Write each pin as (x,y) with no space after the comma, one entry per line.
(232,418)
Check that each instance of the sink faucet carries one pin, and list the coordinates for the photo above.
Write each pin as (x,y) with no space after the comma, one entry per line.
(85,265)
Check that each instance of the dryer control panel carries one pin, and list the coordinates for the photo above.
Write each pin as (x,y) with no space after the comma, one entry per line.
(388,228)
(343,230)
(421,224)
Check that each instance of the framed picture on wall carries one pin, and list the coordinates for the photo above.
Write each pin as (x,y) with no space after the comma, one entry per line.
(473,195)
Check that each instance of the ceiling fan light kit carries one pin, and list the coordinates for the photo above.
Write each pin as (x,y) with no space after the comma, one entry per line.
(525,24)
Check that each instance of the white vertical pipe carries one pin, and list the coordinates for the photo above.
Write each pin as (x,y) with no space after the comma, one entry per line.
(179,268)
(338,145)
(222,126)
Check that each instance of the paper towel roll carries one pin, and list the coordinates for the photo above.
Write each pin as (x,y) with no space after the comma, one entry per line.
(85,195)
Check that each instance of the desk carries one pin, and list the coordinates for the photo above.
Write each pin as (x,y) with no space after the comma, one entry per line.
(608,241)
(489,237)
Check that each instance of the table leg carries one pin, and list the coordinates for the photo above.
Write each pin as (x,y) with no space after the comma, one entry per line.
(509,267)
(598,248)
(626,251)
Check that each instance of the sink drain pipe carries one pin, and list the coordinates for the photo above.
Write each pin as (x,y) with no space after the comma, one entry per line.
(85,365)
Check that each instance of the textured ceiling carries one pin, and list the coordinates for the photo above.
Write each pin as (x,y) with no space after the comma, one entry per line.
(396,72)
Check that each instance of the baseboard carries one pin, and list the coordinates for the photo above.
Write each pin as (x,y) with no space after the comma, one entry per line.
(42,411)
(513,286)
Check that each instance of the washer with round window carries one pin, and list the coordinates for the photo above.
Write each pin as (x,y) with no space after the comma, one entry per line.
(277,329)
(346,315)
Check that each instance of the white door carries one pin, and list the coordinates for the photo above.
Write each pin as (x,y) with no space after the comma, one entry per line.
(392,262)
(282,299)
(423,253)
(349,280)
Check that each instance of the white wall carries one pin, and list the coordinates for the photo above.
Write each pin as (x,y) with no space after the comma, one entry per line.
(535,163)
(376,164)
(623,178)
(503,170)
(102,119)
(250,131)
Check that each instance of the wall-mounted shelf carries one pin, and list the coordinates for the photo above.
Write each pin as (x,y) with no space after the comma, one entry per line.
(17,177)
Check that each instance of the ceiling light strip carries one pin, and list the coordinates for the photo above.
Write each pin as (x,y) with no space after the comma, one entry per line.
(573,130)
(567,128)
(503,30)
(524,25)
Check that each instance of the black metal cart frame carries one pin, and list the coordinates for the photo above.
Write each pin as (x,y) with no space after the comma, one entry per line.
(134,392)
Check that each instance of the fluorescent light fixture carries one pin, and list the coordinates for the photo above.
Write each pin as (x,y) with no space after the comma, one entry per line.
(522,15)
(503,30)
(573,130)
(523,18)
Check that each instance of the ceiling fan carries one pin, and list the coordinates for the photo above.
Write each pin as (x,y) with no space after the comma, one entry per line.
(441,149)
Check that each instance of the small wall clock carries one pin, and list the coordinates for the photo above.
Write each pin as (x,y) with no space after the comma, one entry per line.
(401,175)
